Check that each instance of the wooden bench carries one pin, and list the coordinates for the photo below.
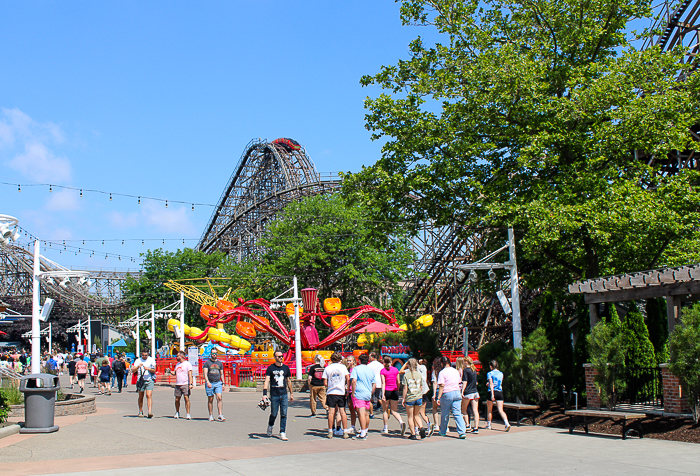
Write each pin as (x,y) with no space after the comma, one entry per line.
(605,415)
(517,407)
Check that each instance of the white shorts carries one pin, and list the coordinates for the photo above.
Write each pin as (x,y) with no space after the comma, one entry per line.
(471,396)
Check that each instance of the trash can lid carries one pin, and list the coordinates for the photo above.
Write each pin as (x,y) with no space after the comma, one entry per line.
(39,381)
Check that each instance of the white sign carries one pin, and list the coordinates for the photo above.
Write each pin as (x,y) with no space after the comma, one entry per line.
(193,358)
(504,302)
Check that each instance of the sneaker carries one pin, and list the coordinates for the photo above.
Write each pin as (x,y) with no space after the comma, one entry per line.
(221,418)
(412,437)
(385,431)
(361,438)
(283,437)
(330,433)
(429,432)
(346,435)
(269,431)
(463,436)
(403,428)
(188,417)
(442,434)
(371,415)
(211,418)
(150,415)
(488,426)
(422,433)
(475,431)
(140,414)
(177,415)
(508,428)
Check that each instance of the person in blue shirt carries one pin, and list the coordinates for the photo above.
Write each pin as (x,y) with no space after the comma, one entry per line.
(364,382)
(494,386)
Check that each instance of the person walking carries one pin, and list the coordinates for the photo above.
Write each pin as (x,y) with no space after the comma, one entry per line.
(184,381)
(437,367)
(450,399)
(213,368)
(494,386)
(278,378)
(412,397)
(145,368)
(81,371)
(390,399)
(350,363)
(363,382)
(377,367)
(316,388)
(336,378)
(421,410)
(71,369)
(119,368)
(470,394)
(105,374)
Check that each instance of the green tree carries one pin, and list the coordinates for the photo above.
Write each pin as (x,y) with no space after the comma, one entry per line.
(526,114)
(685,356)
(606,344)
(339,250)
(538,361)
(555,323)
(639,349)
(657,324)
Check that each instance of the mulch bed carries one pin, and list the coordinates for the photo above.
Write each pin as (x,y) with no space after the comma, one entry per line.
(660,428)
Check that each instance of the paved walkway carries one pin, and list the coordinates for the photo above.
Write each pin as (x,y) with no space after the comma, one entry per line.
(115,441)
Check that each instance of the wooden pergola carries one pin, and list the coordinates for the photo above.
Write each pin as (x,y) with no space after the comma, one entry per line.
(675,284)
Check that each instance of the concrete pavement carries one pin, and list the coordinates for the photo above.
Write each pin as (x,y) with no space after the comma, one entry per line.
(116,441)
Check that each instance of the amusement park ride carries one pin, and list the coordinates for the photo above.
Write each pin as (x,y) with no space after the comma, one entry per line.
(257,316)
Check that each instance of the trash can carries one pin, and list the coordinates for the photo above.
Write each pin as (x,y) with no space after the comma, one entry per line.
(39,402)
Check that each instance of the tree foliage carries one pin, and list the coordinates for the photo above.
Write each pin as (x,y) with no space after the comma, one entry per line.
(639,351)
(657,324)
(528,115)
(338,249)
(606,344)
(685,356)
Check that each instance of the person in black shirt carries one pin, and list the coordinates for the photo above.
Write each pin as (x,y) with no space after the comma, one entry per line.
(316,387)
(278,380)
(469,391)
(119,368)
(71,370)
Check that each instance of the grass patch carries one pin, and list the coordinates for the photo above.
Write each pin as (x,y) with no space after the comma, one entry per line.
(247,384)
(12,395)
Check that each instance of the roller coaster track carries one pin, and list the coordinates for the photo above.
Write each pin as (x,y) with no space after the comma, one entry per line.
(101,298)
(268,176)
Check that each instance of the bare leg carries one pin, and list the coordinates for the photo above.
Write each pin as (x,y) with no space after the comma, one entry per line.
(187,404)
(177,404)
(220,403)
(489,411)
(395,411)
(475,410)
(141,402)
(210,404)
(410,416)
(149,401)
(499,404)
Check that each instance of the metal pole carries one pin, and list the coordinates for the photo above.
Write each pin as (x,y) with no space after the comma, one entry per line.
(153,331)
(182,321)
(465,347)
(50,339)
(89,341)
(297,332)
(138,335)
(514,292)
(36,311)
(80,334)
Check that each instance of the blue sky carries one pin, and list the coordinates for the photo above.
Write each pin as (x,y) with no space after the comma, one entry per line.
(160,98)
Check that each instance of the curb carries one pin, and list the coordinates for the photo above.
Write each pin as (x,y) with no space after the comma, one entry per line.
(9,430)
(243,389)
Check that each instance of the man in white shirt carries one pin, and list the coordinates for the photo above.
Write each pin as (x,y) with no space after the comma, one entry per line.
(336,378)
(145,368)
(377,367)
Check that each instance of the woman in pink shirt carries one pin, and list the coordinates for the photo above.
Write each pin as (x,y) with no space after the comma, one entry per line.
(450,398)
(390,397)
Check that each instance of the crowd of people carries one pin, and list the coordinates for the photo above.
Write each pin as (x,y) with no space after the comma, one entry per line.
(350,390)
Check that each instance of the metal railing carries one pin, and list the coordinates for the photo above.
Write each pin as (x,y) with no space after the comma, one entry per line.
(644,387)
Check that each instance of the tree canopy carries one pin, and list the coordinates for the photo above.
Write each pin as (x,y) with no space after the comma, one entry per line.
(338,249)
(529,115)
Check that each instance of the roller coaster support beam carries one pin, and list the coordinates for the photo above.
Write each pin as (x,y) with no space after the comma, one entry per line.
(512,266)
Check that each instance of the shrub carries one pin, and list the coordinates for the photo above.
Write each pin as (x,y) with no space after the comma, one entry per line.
(539,367)
(4,407)
(638,347)
(657,324)
(606,344)
(247,384)
(685,355)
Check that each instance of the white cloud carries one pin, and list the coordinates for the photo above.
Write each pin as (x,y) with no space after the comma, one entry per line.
(168,220)
(123,220)
(63,200)
(40,164)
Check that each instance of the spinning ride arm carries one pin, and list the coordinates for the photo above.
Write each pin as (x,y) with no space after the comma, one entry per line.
(349,326)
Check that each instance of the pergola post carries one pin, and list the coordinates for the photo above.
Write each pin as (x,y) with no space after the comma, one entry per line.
(673,311)
(593,314)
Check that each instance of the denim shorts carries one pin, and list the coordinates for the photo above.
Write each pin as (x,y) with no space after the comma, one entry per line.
(216,387)
(416,403)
